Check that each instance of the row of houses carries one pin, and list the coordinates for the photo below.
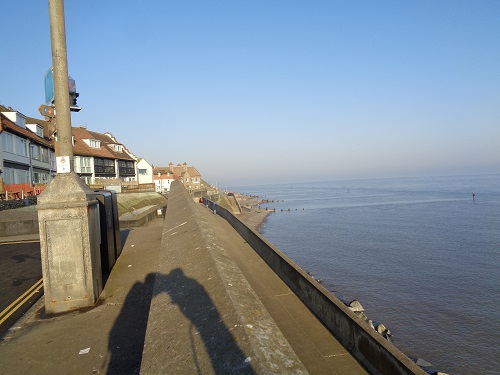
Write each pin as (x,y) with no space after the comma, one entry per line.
(190,177)
(27,156)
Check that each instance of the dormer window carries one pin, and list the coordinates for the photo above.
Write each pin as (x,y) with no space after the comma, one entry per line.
(35,128)
(94,143)
(117,148)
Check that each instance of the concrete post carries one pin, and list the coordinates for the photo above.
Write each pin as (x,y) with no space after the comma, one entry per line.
(67,208)
(60,78)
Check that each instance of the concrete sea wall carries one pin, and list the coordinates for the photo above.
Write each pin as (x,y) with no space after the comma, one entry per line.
(368,346)
(220,321)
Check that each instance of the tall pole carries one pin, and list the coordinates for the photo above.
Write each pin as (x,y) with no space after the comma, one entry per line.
(67,209)
(60,74)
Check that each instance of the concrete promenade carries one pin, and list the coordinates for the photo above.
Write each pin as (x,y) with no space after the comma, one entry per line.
(198,301)
(187,296)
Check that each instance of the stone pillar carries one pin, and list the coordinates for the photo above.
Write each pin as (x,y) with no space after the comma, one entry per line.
(69,240)
(67,208)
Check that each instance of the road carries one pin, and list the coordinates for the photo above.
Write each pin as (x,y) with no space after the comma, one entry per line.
(20,280)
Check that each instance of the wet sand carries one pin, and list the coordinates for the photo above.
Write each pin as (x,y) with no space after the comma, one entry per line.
(251,214)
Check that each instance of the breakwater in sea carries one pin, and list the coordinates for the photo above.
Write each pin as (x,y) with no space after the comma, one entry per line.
(420,254)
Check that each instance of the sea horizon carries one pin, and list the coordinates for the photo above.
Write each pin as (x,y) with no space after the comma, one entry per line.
(238,187)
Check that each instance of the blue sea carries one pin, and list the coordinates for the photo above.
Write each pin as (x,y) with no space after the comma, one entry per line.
(420,254)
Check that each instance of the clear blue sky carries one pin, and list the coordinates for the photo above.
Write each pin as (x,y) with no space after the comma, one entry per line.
(278,90)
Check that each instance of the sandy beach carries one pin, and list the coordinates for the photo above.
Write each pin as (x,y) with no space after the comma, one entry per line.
(251,214)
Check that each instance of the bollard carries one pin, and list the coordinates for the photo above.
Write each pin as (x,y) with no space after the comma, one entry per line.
(215,205)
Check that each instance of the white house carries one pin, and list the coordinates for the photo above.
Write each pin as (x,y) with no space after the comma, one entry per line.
(144,172)
(163,180)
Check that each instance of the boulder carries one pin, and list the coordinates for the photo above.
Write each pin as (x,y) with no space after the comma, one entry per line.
(381,328)
(370,322)
(361,315)
(356,306)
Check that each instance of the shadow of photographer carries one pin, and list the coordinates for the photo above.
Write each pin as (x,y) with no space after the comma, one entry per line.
(205,323)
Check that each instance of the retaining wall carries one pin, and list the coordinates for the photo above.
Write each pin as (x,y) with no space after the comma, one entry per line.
(134,210)
(18,227)
(144,217)
(369,347)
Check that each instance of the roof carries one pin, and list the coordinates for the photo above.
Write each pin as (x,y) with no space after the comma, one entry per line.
(79,134)
(6,124)
(48,127)
(104,151)
(179,169)
(164,176)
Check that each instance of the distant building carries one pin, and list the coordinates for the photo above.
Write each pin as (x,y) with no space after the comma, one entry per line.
(163,181)
(144,172)
(189,176)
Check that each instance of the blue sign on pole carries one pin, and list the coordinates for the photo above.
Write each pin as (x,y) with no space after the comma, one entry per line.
(49,87)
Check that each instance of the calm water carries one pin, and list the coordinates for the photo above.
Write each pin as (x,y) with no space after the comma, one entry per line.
(420,255)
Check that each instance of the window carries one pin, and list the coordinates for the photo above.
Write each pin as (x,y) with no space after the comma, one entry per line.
(40,178)
(126,168)
(118,148)
(83,164)
(94,143)
(104,167)
(15,176)
(21,146)
(7,142)
(52,159)
(22,177)
(8,175)
(143,171)
(35,152)
(44,154)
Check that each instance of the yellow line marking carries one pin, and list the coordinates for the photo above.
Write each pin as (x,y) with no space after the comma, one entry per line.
(14,306)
